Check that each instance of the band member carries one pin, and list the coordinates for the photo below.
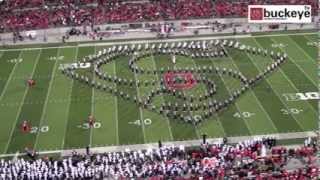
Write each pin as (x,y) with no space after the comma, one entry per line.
(31,82)
(91,120)
(25,126)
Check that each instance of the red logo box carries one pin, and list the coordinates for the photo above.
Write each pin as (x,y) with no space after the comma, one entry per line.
(189,80)
(256,13)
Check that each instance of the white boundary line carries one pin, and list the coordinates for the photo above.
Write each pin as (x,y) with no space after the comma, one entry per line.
(278,136)
(20,107)
(2,52)
(161,40)
(197,142)
(188,39)
(128,41)
(47,98)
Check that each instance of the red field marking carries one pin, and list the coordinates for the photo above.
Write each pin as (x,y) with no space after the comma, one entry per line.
(189,80)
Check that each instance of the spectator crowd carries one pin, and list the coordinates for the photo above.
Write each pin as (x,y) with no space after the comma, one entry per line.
(252,159)
(18,15)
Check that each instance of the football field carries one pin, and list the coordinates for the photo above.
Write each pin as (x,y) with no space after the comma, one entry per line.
(58,107)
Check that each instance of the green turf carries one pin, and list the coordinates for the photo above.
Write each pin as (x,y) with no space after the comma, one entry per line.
(105,111)
(79,110)
(128,112)
(13,97)
(34,100)
(159,128)
(180,131)
(58,107)
(58,104)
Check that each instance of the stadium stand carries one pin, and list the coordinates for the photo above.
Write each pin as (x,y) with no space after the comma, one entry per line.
(18,15)
(252,159)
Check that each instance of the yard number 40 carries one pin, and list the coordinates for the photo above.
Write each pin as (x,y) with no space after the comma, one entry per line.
(139,122)
(243,114)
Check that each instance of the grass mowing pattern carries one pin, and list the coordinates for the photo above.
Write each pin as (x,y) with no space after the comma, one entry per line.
(159,128)
(7,67)
(266,95)
(213,127)
(258,122)
(79,111)
(298,78)
(232,126)
(13,97)
(6,111)
(128,112)
(291,82)
(32,112)
(105,112)
(69,104)
(302,42)
(56,113)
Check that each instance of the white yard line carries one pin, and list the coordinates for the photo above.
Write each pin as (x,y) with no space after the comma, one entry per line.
(275,92)
(302,50)
(190,113)
(236,104)
(140,109)
(278,136)
(125,41)
(310,39)
(20,107)
(196,127)
(295,88)
(254,95)
(68,109)
(9,79)
(167,119)
(116,105)
(288,79)
(291,59)
(92,103)
(92,112)
(46,101)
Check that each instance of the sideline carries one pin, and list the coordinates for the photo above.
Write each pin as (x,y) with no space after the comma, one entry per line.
(197,142)
(175,39)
